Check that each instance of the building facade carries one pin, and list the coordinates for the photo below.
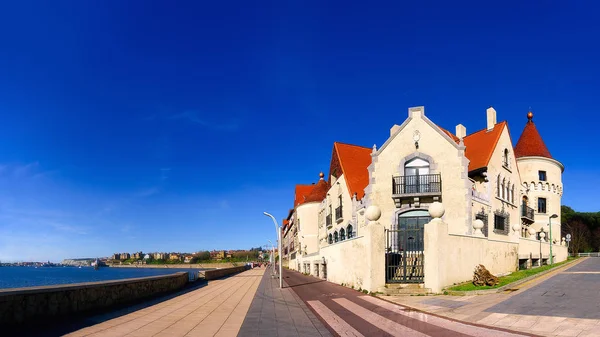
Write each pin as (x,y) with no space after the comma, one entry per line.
(495,202)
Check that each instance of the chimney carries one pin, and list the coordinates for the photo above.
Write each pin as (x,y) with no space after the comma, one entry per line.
(461,131)
(394,129)
(491,118)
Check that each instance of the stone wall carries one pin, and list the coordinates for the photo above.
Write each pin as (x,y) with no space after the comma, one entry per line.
(218,273)
(35,304)
(183,265)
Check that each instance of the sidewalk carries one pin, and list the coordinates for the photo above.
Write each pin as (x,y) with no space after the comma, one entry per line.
(537,302)
(279,312)
(217,309)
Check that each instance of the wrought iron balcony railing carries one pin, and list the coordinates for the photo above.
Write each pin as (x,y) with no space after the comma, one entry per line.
(417,184)
(527,213)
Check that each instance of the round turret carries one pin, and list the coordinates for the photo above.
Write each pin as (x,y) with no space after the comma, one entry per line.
(541,177)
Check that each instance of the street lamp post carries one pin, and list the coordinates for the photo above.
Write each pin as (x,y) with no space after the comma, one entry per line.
(553,216)
(272,251)
(277,228)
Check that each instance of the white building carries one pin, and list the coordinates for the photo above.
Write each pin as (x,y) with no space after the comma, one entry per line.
(497,201)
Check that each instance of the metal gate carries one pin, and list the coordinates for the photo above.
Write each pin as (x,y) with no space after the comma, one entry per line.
(404,257)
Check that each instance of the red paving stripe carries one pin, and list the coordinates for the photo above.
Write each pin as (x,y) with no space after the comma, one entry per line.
(404,320)
(386,324)
(310,288)
(471,330)
(340,326)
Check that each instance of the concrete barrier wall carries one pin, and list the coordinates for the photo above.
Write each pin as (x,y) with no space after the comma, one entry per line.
(182,265)
(24,305)
(218,273)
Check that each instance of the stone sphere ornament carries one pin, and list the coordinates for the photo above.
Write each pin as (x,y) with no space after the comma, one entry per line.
(542,236)
(516,227)
(531,232)
(436,210)
(373,213)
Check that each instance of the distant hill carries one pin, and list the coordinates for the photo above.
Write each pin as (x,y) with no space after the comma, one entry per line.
(78,262)
(584,228)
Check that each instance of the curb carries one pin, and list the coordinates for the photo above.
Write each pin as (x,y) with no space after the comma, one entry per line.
(510,285)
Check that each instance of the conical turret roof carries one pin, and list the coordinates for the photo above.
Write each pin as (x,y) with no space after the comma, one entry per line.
(531,144)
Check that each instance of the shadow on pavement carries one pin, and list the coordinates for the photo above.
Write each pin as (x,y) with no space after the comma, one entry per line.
(62,326)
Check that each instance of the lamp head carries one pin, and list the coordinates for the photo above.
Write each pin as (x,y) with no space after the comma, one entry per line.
(553,216)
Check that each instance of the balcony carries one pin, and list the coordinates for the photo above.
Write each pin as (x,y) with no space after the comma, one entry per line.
(338,214)
(416,187)
(527,214)
(328,220)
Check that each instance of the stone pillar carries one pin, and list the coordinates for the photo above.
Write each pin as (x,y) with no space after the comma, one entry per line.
(436,259)
(374,279)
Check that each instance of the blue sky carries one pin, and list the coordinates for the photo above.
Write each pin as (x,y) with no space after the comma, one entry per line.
(150,126)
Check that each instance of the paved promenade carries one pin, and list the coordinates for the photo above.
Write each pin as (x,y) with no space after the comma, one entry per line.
(351,313)
(280,312)
(565,302)
(218,309)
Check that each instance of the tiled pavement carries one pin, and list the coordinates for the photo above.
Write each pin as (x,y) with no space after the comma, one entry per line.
(348,312)
(280,312)
(562,303)
(218,309)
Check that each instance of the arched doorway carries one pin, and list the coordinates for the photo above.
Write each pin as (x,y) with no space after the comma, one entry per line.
(405,248)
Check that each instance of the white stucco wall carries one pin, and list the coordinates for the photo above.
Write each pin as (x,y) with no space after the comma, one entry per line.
(448,160)
(551,189)
(307,214)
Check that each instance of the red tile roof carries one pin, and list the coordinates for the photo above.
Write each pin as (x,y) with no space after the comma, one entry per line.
(481,144)
(450,134)
(319,192)
(354,161)
(531,144)
(302,191)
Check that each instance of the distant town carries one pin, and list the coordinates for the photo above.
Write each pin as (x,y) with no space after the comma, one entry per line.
(141,258)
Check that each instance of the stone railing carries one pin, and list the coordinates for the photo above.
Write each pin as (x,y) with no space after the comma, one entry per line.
(36,304)
(218,273)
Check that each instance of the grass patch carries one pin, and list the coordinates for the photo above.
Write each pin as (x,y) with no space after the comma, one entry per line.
(510,278)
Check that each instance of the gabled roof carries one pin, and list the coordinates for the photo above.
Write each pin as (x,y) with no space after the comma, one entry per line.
(353,161)
(319,192)
(531,144)
(302,191)
(450,134)
(481,144)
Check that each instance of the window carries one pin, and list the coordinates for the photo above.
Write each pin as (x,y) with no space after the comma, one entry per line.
(541,205)
(349,230)
(503,188)
(501,222)
(335,236)
(498,187)
(342,234)
(512,194)
(416,176)
(542,175)
(330,239)
(505,158)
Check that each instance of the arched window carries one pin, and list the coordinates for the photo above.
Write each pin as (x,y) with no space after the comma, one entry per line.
(330,239)
(498,187)
(505,158)
(335,236)
(342,234)
(512,194)
(503,190)
(416,176)
(349,230)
